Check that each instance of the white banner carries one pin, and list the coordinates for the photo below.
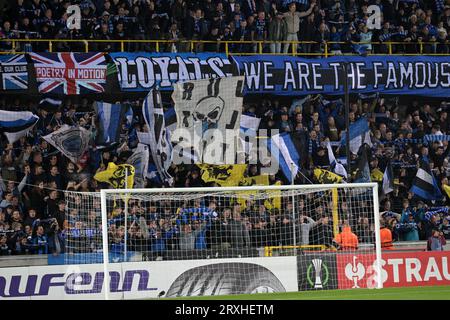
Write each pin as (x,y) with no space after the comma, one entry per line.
(208,119)
(138,280)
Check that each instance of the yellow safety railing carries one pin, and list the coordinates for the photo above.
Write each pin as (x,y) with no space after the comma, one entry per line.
(268,250)
(228,47)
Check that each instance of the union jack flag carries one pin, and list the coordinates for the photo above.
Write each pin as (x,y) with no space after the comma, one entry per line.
(13,72)
(70,73)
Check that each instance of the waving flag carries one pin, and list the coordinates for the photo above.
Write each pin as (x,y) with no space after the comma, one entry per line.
(208,118)
(110,118)
(424,184)
(359,134)
(158,138)
(446,189)
(388,179)
(13,72)
(325,176)
(223,175)
(16,124)
(362,173)
(50,104)
(118,176)
(286,150)
(72,142)
(70,73)
(335,165)
(139,160)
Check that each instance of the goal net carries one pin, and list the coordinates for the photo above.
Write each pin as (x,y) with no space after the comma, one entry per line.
(331,230)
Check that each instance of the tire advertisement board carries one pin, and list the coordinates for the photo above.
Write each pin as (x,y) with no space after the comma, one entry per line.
(399,269)
(154,279)
(317,272)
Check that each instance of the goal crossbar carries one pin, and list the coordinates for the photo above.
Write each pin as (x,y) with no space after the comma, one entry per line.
(245,188)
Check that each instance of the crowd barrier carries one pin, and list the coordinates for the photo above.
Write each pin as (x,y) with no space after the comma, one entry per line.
(155,279)
(137,280)
(257,47)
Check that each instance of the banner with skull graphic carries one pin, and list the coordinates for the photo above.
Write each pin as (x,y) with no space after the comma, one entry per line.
(208,120)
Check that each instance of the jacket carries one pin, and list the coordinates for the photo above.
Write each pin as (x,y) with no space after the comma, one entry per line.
(386,238)
(277,30)
(347,239)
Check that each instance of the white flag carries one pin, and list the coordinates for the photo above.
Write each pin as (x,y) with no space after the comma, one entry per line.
(208,119)
(73,142)
(139,160)
(338,168)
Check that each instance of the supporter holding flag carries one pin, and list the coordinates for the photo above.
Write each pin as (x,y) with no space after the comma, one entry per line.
(110,118)
(388,179)
(362,173)
(424,184)
(359,134)
(335,165)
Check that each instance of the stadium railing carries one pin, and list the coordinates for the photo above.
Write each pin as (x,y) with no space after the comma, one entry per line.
(18,46)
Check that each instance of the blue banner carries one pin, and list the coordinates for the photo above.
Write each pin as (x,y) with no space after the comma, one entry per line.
(142,71)
(283,75)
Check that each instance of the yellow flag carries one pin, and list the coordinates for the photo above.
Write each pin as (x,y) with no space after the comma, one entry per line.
(115,175)
(223,175)
(273,200)
(325,176)
(376,175)
(261,180)
(447,190)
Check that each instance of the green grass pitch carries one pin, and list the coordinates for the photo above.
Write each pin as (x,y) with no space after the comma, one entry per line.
(409,293)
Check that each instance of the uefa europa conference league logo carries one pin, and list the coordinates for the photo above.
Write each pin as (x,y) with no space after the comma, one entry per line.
(320,270)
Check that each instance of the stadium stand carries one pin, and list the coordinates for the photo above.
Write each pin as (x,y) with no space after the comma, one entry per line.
(34,174)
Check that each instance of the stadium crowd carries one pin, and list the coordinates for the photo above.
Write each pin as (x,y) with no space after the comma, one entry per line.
(34,215)
(414,25)
(36,218)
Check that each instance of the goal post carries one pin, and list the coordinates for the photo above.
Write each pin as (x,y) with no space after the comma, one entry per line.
(245,222)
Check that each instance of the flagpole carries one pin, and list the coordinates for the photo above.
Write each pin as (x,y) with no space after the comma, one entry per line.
(347,121)
(126,217)
(293,209)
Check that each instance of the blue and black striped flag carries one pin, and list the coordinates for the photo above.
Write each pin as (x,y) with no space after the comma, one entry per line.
(424,184)
(16,124)
(110,118)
